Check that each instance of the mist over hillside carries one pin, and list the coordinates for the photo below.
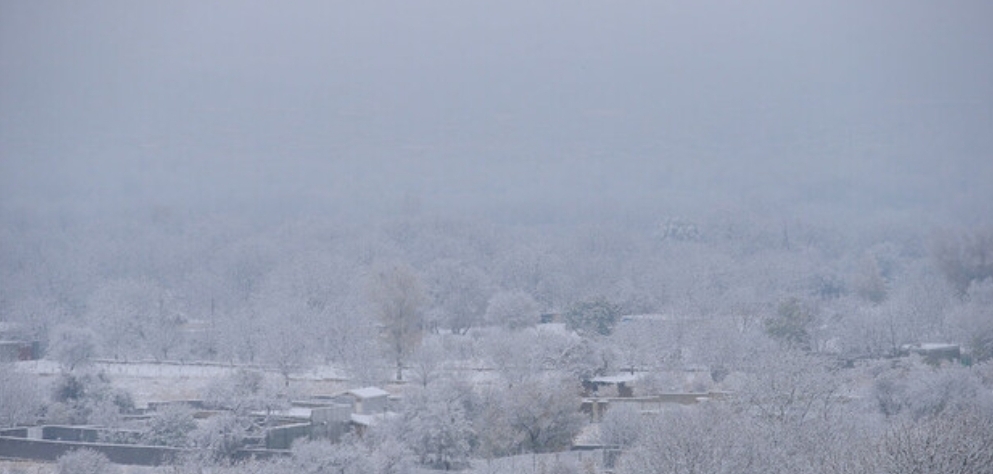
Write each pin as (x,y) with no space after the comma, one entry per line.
(319,108)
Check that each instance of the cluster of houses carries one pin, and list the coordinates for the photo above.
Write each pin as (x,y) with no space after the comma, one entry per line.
(328,417)
(332,416)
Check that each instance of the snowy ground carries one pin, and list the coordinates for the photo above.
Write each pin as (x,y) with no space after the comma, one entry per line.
(534,463)
(164,381)
(32,467)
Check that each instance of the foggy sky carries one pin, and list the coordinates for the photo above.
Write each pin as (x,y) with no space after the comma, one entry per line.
(299,107)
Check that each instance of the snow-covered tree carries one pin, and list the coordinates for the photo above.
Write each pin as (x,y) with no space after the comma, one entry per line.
(243,392)
(512,310)
(220,436)
(170,425)
(535,270)
(972,320)
(520,355)
(19,397)
(537,415)
(965,259)
(136,317)
(426,362)
(285,345)
(437,426)
(85,461)
(397,298)
(375,453)
(957,442)
(790,388)
(922,392)
(622,426)
(690,441)
(869,283)
(459,292)
(72,347)
(87,398)
(321,456)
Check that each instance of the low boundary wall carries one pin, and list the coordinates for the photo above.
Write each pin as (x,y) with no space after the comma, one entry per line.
(281,437)
(47,450)
(138,455)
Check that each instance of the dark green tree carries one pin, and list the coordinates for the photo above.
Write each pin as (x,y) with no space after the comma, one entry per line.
(791,324)
(593,317)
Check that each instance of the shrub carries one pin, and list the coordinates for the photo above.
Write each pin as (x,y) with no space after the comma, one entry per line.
(85,461)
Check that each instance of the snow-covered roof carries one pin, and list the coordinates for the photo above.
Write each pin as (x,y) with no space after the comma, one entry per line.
(370,420)
(6,326)
(364,420)
(557,328)
(646,317)
(934,346)
(619,378)
(368,392)
(296,412)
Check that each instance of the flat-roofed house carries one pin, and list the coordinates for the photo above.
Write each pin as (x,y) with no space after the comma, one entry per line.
(368,400)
